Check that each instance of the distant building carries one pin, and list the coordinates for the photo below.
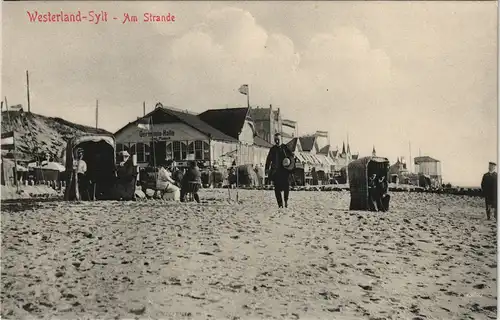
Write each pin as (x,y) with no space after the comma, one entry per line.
(342,158)
(308,154)
(211,137)
(398,172)
(430,167)
(238,123)
(267,122)
(331,163)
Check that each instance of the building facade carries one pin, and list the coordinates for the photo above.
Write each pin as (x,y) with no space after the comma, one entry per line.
(238,124)
(267,122)
(428,166)
(398,172)
(182,136)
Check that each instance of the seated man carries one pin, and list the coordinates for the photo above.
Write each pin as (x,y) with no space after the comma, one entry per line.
(191,182)
(165,183)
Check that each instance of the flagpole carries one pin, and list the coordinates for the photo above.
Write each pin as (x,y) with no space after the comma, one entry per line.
(152,140)
(410,164)
(7,109)
(28,90)
(248,97)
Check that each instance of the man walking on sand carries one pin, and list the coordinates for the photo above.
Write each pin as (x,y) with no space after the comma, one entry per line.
(489,189)
(278,166)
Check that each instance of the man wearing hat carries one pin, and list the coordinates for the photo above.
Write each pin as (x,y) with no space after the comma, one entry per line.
(126,176)
(81,172)
(279,164)
(489,188)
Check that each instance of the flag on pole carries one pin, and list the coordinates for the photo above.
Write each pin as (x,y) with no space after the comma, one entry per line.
(7,142)
(244,89)
(144,123)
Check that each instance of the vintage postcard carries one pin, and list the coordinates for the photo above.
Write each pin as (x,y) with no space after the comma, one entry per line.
(249,159)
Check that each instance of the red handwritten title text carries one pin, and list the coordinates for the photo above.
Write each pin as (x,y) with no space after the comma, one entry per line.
(96,17)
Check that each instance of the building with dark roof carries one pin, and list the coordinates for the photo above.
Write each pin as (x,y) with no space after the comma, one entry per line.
(238,124)
(215,136)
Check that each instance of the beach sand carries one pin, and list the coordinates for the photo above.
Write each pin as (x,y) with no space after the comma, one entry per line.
(431,257)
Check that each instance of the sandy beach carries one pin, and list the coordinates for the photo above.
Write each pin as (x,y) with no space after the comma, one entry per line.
(431,257)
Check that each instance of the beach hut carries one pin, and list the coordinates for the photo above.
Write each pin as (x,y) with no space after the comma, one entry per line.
(100,156)
(358,172)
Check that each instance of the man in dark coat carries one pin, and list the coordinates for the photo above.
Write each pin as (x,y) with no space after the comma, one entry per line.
(126,177)
(191,182)
(373,193)
(277,171)
(382,196)
(489,188)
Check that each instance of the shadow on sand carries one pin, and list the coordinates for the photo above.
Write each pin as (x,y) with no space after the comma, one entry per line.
(18,205)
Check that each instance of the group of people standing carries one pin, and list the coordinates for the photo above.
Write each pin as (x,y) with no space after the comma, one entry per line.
(88,184)
(378,199)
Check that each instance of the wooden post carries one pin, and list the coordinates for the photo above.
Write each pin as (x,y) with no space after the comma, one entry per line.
(144,109)
(28,90)
(7,109)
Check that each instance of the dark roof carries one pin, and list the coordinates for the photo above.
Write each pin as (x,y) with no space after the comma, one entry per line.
(418,160)
(325,149)
(192,120)
(307,143)
(229,121)
(292,144)
(258,141)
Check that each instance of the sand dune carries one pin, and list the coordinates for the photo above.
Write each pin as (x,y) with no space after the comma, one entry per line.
(431,257)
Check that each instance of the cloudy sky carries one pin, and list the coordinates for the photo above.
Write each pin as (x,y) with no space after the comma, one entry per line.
(386,73)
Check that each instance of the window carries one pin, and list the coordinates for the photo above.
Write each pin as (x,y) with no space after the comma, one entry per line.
(169,153)
(176,147)
(206,151)
(142,152)
(198,150)
(121,147)
(179,150)
(191,150)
